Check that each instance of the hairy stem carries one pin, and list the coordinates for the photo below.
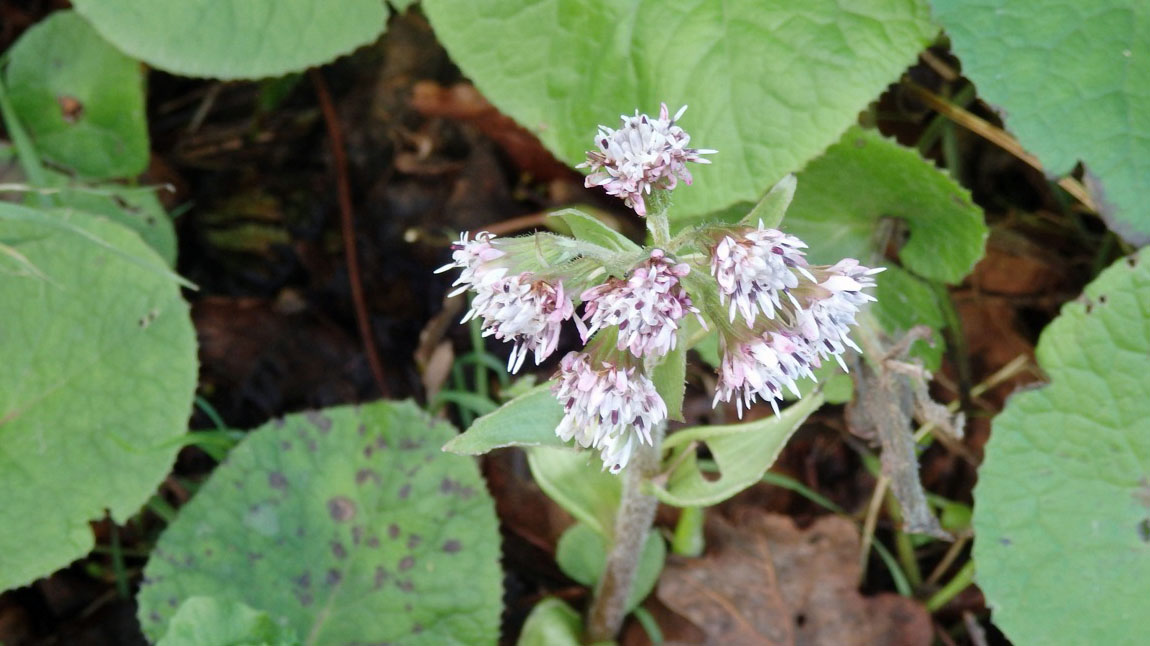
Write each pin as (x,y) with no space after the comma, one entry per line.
(632,524)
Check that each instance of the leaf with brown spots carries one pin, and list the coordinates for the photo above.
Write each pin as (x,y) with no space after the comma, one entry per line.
(340,544)
(765,582)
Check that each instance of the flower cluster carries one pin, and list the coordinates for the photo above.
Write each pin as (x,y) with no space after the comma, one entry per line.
(777,316)
(645,153)
(807,313)
(520,308)
(646,307)
(607,407)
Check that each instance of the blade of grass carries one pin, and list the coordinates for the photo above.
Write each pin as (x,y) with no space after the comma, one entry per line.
(961,581)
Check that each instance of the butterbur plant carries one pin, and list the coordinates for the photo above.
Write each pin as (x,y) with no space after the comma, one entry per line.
(777,317)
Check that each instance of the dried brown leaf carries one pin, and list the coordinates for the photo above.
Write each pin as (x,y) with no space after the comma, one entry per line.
(764,582)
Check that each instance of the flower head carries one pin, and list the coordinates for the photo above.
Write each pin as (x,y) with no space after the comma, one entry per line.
(760,367)
(476,258)
(645,153)
(608,408)
(755,267)
(646,306)
(524,311)
(825,323)
(518,307)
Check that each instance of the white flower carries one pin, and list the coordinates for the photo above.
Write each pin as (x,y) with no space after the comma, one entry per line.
(754,267)
(645,153)
(826,321)
(646,307)
(524,311)
(759,368)
(475,258)
(608,408)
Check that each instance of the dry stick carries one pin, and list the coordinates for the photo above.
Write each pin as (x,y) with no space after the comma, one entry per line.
(1015,366)
(632,524)
(998,137)
(871,521)
(347,224)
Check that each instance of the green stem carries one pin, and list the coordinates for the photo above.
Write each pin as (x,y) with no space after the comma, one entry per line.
(118,563)
(902,543)
(657,222)
(961,581)
(633,522)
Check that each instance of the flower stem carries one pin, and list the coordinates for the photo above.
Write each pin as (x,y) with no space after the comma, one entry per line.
(632,524)
(657,222)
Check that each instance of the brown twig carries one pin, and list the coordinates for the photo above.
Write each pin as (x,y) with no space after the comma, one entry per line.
(998,137)
(347,222)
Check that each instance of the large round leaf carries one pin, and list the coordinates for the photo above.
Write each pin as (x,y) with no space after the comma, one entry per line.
(1062,507)
(771,83)
(235,39)
(1073,80)
(80,99)
(99,370)
(348,526)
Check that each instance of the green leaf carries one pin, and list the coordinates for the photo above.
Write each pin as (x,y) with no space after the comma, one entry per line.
(591,229)
(235,39)
(81,100)
(136,208)
(99,359)
(528,420)
(844,195)
(771,210)
(207,621)
(577,482)
(345,525)
(553,623)
(1072,81)
(582,555)
(743,453)
(864,178)
(1062,506)
(904,302)
(670,378)
(770,83)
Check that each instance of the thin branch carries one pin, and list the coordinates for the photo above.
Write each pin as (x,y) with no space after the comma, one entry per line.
(347,222)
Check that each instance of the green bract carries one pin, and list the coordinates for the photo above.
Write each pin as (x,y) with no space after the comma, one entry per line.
(348,525)
(528,420)
(81,100)
(743,453)
(235,39)
(770,83)
(1072,80)
(99,362)
(1062,506)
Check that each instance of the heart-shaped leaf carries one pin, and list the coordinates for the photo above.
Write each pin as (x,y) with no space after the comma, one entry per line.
(349,525)
(770,83)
